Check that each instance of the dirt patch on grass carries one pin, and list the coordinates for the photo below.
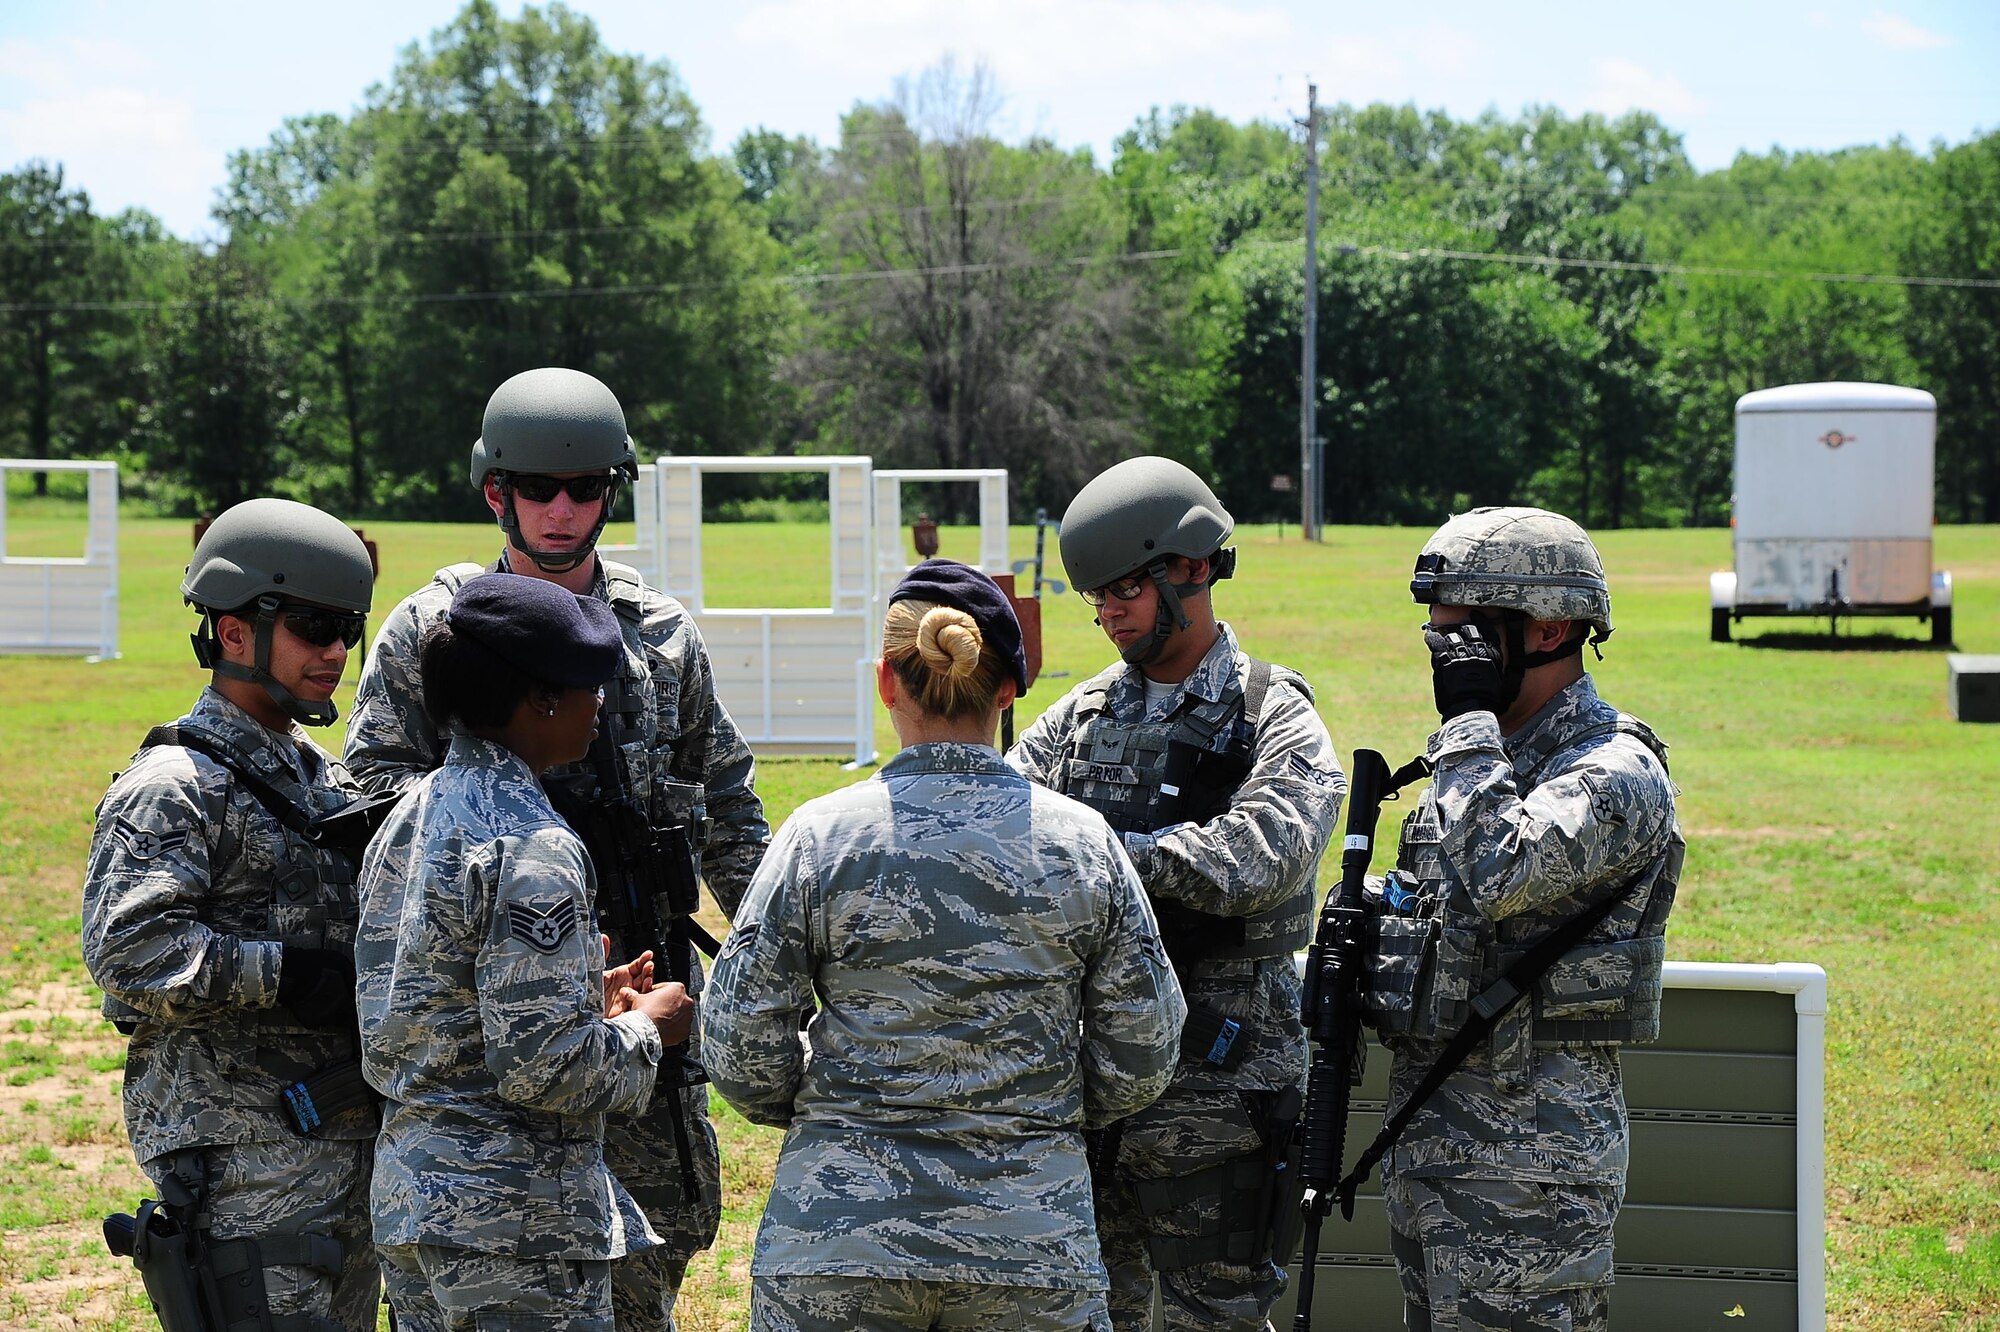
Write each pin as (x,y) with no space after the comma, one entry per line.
(39,1002)
(66,1278)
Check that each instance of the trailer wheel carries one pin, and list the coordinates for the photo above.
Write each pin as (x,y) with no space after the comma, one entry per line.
(1941,627)
(1718,624)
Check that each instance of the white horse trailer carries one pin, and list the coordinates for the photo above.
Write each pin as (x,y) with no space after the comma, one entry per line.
(1833,507)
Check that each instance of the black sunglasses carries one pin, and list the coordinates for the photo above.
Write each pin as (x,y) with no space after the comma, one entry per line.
(1125,589)
(543,489)
(321,627)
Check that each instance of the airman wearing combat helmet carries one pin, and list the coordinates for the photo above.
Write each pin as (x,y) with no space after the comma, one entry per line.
(669,768)
(1547,808)
(219,918)
(1224,785)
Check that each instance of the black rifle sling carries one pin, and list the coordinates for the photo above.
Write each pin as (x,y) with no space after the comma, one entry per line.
(319,829)
(281,806)
(1489,1006)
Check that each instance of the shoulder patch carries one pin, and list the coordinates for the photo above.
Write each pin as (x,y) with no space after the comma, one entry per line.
(144,843)
(542,928)
(740,938)
(1307,772)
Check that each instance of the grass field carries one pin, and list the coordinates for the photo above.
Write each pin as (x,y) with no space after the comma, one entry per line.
(1835,814)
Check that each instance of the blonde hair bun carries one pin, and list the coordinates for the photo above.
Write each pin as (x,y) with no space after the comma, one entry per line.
(949,642)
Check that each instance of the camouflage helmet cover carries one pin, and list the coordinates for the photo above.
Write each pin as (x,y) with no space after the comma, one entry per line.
(277,547)
(1136,513)
(1523,559)
(553,420)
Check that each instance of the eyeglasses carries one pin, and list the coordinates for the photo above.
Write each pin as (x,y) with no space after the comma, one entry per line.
(321,627)
(1125,589)
(543,489)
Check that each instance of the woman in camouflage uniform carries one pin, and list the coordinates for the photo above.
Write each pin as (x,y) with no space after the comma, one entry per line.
(486,1019)
(988,979)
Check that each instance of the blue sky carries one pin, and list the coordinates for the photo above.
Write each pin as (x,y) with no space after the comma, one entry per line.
(142,102)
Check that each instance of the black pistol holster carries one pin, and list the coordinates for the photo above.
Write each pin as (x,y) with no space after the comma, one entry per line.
(196,1284)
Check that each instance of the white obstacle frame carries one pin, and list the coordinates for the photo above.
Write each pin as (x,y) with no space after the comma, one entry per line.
(796,680)
(64,605)
(890,566)
(643,553)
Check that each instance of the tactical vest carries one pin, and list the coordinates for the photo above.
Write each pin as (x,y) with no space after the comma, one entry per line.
(313,901)
(1431,960)
(1143,776)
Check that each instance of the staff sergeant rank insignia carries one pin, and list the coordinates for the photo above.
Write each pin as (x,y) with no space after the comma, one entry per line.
(145,844)
(542,928)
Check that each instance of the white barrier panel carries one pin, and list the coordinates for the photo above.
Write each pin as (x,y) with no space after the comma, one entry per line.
(795,680)
(64,606)
(890,564)
(642,554)
(1725,1198)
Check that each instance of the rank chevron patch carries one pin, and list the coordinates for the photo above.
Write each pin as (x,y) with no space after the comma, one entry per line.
(145,844)
(542,928)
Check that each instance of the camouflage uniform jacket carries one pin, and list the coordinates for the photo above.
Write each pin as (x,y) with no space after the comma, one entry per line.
(482,1002)
(1260,856)
(1518,834)
(672,731)
(191,889)
(989,980)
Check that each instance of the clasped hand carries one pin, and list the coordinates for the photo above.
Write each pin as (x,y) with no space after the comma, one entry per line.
(629,988)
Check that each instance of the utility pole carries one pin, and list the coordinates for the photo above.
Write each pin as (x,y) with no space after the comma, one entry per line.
(1309,478)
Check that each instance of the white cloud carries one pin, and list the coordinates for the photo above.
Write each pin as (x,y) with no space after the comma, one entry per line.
(1032,45)
(1446,51)
(87,108)
(1897,31)
(1621,85)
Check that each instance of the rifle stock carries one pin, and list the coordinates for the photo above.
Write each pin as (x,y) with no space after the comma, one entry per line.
(1335,967)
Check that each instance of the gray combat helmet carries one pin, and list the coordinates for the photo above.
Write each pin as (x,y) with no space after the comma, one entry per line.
(261,556)
(1519,559)
(548,421)
(1134,516)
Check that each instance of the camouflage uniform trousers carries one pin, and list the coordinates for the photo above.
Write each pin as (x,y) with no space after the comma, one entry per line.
(640,1151)
(1502,1255)
(888,1304)
(435,1289)
(295,1186)
(1184,1132)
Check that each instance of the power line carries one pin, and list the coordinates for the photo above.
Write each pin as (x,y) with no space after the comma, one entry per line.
(1347,177)
(1681,270)
(838,278)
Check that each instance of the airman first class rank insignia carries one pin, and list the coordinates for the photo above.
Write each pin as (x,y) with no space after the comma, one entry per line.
(145,844)
(542,928)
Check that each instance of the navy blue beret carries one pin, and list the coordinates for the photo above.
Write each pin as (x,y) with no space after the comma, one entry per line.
(949,583)
(546,632)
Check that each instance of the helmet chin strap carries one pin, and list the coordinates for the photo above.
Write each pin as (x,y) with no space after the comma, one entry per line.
(551,561)
(208,651)
(1168,616)
(1516,660)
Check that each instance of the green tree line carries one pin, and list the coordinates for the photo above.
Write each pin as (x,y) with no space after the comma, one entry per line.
(1539,308)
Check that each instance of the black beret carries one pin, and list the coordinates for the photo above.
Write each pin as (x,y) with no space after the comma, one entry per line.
(949,583)
(546,632)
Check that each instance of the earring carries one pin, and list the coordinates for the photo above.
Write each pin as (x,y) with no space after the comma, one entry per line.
(552,712)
